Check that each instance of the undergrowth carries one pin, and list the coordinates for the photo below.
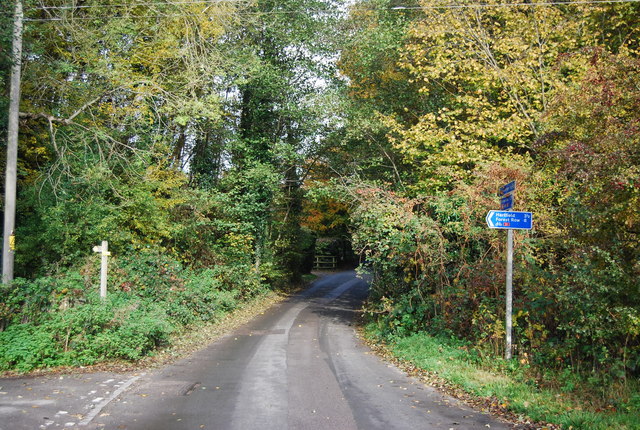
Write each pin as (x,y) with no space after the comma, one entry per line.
(61,320)
(570,400)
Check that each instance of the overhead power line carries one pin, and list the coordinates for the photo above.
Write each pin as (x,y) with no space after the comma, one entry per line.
(444,6)
(292,12)
(129,5)
(521,4)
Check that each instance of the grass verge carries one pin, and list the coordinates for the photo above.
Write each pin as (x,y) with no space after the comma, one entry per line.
(500,387)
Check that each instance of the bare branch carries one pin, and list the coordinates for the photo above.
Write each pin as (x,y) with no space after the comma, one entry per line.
(65,121)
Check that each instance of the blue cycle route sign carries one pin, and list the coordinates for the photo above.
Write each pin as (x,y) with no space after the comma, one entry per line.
(507,189)
(506,203)
(510,220)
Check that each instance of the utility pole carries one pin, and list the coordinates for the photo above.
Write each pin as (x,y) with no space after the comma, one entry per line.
(8,246)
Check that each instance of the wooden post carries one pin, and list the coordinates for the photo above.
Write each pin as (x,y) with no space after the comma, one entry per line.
(104,265)
(103,269)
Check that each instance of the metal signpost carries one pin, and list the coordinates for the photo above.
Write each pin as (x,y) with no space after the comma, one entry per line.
(509,220)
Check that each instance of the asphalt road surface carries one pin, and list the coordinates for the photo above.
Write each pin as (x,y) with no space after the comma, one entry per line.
(298,366)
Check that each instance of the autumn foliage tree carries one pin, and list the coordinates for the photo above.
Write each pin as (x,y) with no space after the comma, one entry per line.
(546,95)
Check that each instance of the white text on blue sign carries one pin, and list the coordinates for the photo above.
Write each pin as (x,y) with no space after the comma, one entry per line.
(509,220)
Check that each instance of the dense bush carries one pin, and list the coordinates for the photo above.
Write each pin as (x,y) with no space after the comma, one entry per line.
(119,327)
(61,320)
(437,267)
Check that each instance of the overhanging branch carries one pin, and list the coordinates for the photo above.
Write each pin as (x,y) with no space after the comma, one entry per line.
(65,121)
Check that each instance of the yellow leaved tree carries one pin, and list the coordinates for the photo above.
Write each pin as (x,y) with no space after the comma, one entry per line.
(488,71)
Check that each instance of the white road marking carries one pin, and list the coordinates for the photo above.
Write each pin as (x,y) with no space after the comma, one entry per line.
(91,415)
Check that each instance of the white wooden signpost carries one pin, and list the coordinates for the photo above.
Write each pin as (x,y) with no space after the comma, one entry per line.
(104,252)
(509,220)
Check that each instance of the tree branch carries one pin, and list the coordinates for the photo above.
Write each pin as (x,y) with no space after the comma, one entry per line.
(65,121)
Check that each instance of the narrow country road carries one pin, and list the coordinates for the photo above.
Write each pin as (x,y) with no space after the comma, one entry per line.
(298,366)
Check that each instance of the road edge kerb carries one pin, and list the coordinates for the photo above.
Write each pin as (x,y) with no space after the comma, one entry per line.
(100,406)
